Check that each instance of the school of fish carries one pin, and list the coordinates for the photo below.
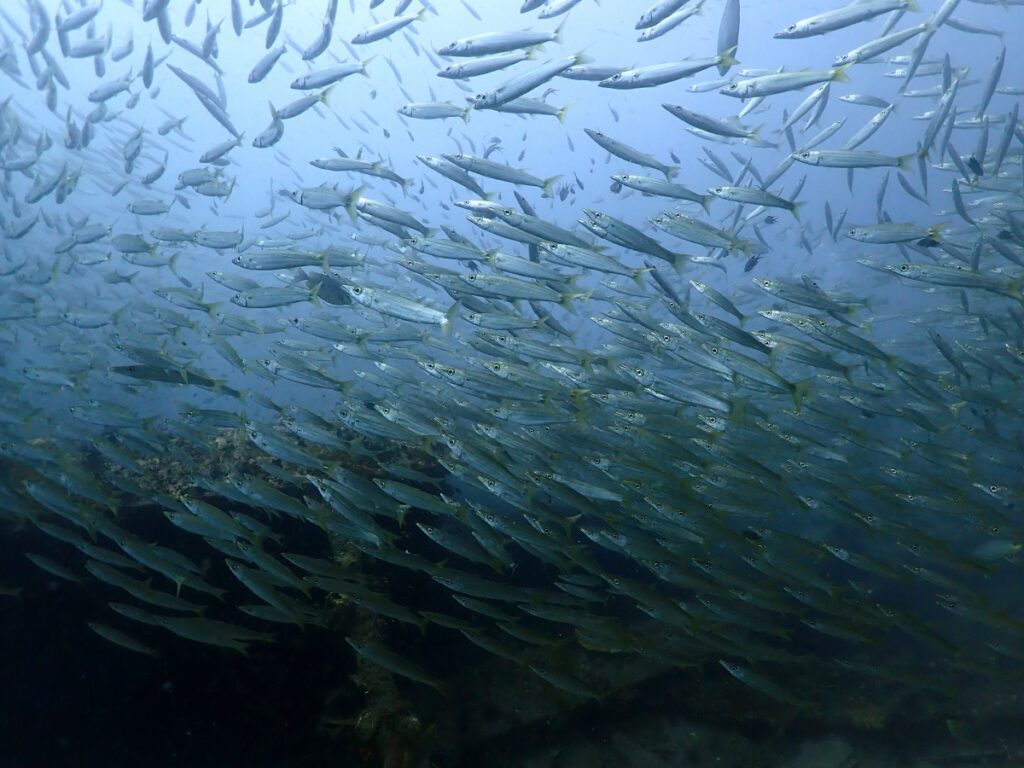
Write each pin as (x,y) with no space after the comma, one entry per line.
(680,406)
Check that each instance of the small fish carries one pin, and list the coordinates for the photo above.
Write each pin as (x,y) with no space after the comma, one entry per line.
(386,28)
(384,657)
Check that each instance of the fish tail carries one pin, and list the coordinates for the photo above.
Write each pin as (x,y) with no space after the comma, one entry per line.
(353,201)
(935,231)
(558,31)
(738,409)
(449,317)
(670,172)
(839,74)
(638,275)
(725,58)
(795,210)
(705,202)
(1013,290)
(956,407)
(912,6)
(568,298)
(549,185)
(800,390)
(560,114)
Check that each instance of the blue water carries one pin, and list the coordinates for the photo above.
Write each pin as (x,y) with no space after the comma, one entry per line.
(840,531)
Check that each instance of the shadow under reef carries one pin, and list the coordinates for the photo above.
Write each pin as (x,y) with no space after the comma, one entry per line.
(496,712)
(523,711)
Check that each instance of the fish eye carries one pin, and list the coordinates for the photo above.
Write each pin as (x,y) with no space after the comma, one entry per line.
(791,28)
(357,290)
(639,372)
(385,410)
(616,77)
(993,489)
(904,267)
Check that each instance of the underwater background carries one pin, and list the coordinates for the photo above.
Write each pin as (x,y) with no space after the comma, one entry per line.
(469,382)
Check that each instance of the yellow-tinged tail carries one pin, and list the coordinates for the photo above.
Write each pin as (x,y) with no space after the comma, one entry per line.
(725,58)
(363,63)
(449,318)
(800,390)
(549,185)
